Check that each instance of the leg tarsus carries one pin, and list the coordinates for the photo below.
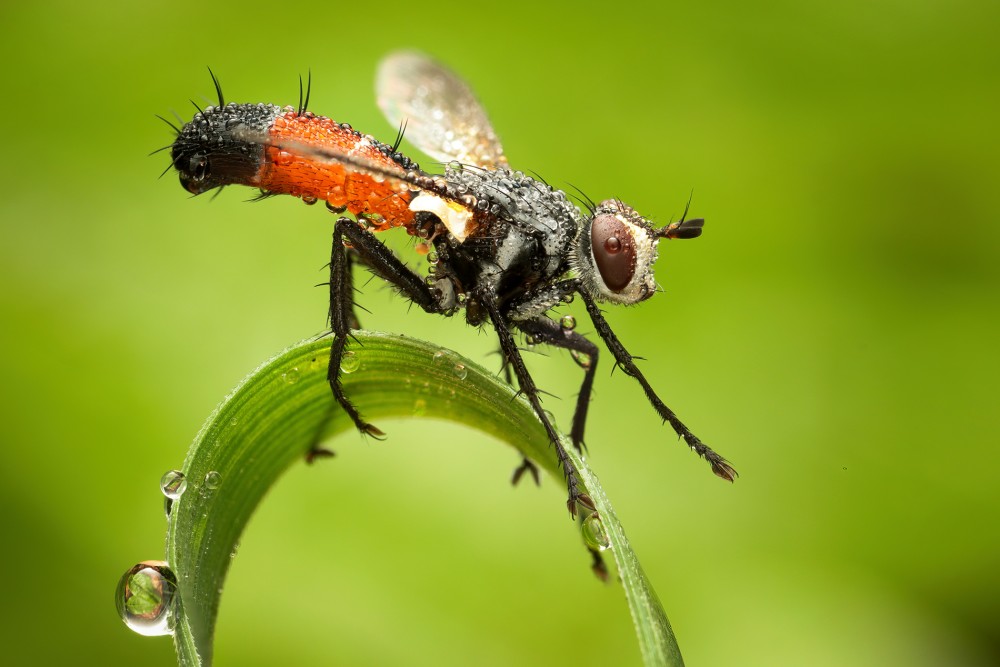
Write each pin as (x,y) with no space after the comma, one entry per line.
(626,362)
(529,467)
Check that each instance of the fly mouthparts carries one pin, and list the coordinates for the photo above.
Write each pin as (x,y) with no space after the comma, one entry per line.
(685,229)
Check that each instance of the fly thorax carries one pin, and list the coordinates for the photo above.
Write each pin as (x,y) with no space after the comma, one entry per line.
(615,251)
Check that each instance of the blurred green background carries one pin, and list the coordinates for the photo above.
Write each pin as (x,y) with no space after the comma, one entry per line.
(834,334)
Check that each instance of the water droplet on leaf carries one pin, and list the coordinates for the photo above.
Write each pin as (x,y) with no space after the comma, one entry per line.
(349,362)
(145,598)
(213,479)
(172,484)
(594,533)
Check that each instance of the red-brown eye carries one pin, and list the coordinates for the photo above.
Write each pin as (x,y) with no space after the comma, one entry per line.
(614,251)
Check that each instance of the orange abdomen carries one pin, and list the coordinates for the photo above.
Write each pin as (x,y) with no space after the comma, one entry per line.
(384,201)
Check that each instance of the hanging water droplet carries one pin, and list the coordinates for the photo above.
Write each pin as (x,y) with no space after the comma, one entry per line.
(349,362)
(568,323)
(172,484)
(213,479)
(291,376)
(308,200)
(594,533)
(582,359)
(567,298)
(460,371)
(433,257)
(145,598)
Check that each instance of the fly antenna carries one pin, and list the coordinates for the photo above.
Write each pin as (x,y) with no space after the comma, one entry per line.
(218,88)
(684,228)
(687,206)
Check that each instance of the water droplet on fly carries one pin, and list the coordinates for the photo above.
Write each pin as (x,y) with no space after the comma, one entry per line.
(594,533)
(568,323)
(349,362)
(582,359)
(213,479)
(172,484)
(460,371)
(432,257)
(309,200)
(291,376)
(145,598)
(566,298)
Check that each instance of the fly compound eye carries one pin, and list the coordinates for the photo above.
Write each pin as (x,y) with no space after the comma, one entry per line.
(614,251)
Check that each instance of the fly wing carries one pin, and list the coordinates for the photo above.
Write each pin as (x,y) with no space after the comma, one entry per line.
(442,116)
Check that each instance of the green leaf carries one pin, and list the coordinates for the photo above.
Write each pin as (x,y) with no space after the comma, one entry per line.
(284,407)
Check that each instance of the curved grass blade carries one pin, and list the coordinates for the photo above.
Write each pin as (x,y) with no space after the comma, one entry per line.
(284,408)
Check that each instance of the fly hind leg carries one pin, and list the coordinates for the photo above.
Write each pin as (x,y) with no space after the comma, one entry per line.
(381,261)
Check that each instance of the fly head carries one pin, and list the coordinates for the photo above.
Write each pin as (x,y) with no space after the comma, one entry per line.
(616,249)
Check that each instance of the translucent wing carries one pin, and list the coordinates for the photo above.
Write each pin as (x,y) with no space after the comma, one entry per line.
(443,117)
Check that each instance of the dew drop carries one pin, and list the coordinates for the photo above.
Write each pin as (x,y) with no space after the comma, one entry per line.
(566,298)
(213,479)
(568,323)
(460,371)
(309,200)
(291,376)
(349,362)
(432,257)
(582,359)
(172,484)
(145,597)
(594,533)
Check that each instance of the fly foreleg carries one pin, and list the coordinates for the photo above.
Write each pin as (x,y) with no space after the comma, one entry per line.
(624,360)
(549,332)
(530,391)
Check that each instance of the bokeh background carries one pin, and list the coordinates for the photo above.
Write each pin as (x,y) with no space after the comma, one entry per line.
(834,333)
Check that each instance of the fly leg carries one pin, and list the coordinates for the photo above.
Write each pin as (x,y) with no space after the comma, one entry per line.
(624,361)
(550,332)
(383,263)
(530,391)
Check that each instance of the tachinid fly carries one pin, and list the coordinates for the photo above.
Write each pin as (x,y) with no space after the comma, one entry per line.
(509,247)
